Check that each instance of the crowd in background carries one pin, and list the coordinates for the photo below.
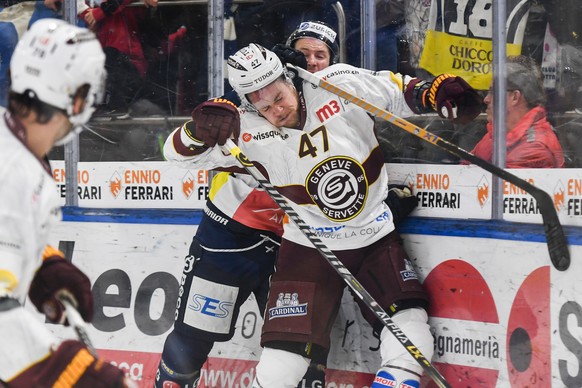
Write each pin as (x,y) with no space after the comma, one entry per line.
(157,54)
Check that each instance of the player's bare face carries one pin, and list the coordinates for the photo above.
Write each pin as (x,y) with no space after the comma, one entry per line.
(316,53)
(63,132)
(278,102)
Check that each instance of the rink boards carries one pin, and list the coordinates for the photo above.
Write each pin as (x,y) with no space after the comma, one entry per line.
(502,315)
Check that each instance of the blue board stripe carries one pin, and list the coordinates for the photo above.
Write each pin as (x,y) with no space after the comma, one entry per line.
(493,229)
(133,216)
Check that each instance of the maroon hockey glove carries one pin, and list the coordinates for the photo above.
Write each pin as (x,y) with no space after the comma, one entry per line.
(289,55)
(56,275)
(453,98)
(216,121)
(71,365)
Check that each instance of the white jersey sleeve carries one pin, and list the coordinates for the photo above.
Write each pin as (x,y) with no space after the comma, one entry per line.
(208,160)
(384,89)
(236,195)
(29,207)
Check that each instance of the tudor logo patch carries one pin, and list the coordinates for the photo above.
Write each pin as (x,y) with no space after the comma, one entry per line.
(339,187)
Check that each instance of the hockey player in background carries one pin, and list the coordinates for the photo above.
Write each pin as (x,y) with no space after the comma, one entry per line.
(322,154)
(56,72)
(233,252)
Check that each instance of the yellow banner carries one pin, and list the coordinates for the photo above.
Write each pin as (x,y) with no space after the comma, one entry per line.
(469,58)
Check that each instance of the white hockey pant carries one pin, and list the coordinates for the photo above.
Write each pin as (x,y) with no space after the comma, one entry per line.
(280,369)
(395,358)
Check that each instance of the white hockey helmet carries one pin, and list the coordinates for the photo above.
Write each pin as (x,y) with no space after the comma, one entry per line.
(53,60)
(252,68)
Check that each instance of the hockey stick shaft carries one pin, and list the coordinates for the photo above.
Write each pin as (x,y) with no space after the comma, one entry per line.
(77,323)
(337,265)
(555,237)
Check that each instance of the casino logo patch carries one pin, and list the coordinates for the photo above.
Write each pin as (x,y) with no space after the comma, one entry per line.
(339,187)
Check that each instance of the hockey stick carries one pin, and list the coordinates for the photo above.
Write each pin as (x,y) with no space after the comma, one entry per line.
(337,265)
(555,237)
(77,323)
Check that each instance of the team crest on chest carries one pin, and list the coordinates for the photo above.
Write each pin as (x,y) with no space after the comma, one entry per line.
(339,187)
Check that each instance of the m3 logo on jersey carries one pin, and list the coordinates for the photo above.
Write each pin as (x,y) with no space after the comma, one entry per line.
(209,306)
(339,187)
(328,110)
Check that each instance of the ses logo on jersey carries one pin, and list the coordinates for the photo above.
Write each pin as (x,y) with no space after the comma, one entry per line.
(264,135)
(210,306)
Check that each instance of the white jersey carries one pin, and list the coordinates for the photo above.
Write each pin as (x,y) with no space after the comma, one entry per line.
(29,205)
(332,171)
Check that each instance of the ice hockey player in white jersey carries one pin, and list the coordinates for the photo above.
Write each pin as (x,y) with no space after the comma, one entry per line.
(56,72)
(236,243)
(322,154)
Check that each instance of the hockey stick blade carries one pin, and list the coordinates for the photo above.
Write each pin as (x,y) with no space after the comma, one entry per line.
(337,265)
(555,237)
(77,323)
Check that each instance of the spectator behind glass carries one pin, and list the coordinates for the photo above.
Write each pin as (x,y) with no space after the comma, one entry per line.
(118,29)
(52,9)
(125,34)
(531,140)
(8,40)
(16,18)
